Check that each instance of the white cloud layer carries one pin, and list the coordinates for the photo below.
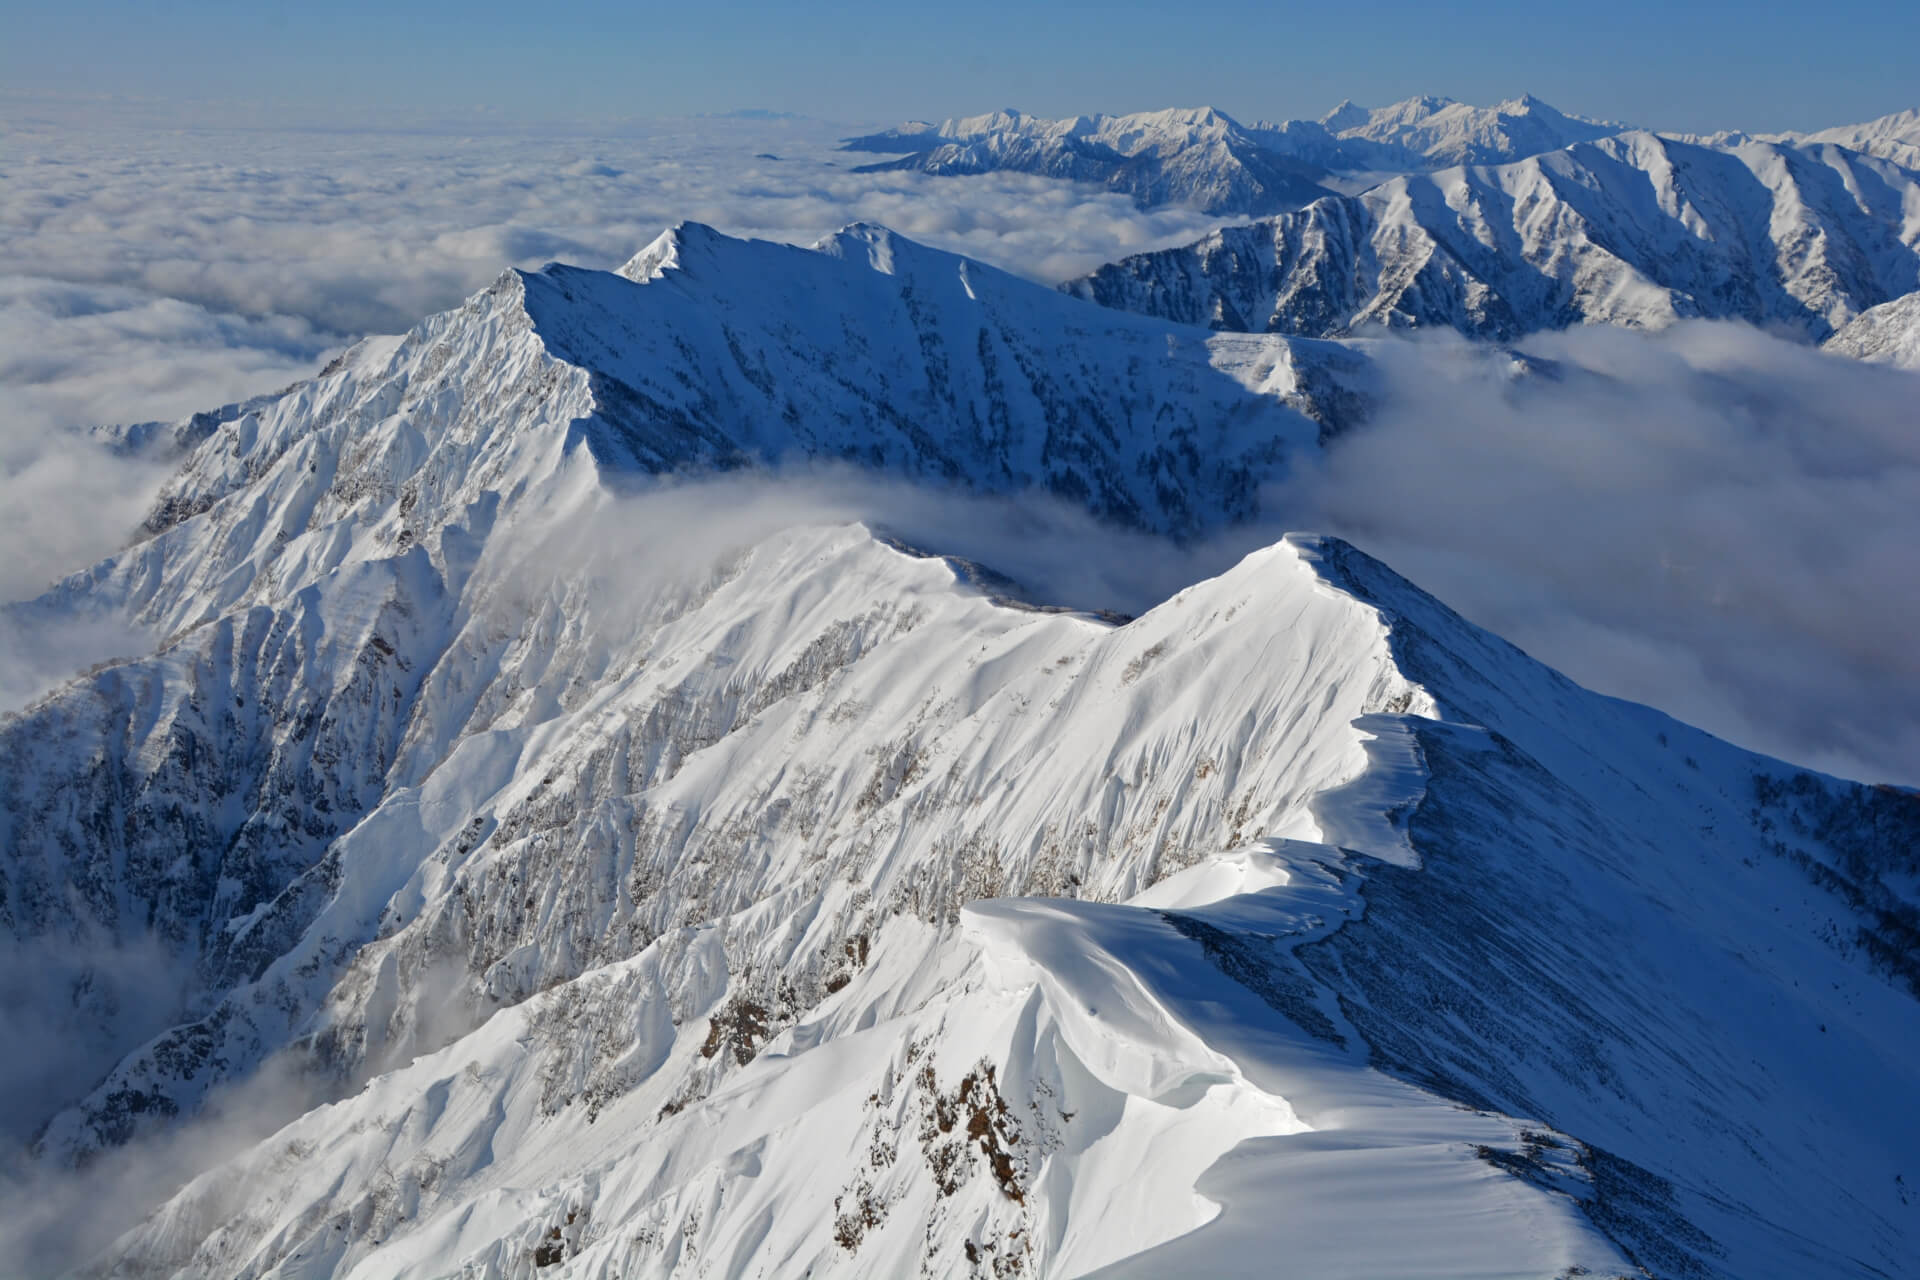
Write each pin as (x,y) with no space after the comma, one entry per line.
(1723,527)
(1711,520)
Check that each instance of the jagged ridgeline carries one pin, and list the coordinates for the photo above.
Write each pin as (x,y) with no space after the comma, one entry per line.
(1635,230)
(1207,159)
(784,902)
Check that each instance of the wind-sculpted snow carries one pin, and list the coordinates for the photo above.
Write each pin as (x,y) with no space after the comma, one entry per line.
(751,1023)
(655,874)
(1633,230)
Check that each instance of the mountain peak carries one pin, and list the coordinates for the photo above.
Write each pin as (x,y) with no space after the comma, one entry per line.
(1422,104)
(670,250)
(1527,104)
(993,122)
(867,242)
(1348,115)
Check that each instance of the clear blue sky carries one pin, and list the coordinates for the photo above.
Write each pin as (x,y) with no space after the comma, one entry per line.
(1683,64)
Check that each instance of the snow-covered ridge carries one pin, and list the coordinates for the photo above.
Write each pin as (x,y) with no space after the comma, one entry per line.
(1894,137)
(310,563)
(1635,229)
(1431,132)
(1886,334)
(1198,157)
(1203,157)
(789,906)
(716,884)
(710,351)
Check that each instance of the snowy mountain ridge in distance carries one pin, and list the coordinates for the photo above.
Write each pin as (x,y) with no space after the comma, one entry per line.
(1432,133)
(1886,334)
(1205,158)
(1634,229)
(1199,157)
(789,905)
(1894,137)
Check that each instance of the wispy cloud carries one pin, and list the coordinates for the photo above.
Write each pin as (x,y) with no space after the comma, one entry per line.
(1711,520)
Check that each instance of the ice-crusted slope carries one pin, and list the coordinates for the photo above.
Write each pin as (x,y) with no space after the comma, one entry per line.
(1634,229)
(1200,157)
(1886,334)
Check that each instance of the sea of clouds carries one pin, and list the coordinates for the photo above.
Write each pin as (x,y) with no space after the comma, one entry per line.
(148,272)
(1714,521)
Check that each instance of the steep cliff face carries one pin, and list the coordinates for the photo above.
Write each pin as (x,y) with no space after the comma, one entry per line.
(1634,230)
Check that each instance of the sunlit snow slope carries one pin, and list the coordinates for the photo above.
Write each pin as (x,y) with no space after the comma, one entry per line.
(1205,158)
(653,884)
(310,569)
(1886,334)
(1635,229)
(1200,156)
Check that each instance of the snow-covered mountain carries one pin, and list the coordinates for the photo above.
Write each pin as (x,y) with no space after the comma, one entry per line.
(1432,133)
(308,561)
(1636,229)
(1205,158)
(1886,334)
(656,879)
(1894,137)
(1199,157)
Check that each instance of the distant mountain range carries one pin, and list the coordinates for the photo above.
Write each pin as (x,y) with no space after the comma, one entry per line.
(1634,229)
(1199,157)
(1205,158)
(1893,137)
(1431,133)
